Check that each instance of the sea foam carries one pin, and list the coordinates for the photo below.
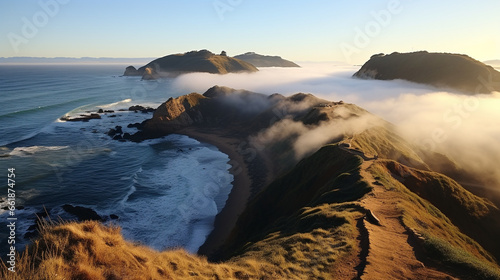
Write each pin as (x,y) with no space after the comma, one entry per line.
(173,200)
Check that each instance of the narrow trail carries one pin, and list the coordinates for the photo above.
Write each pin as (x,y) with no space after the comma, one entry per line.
(389,255)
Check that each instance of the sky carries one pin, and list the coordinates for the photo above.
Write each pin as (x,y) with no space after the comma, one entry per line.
(322,30)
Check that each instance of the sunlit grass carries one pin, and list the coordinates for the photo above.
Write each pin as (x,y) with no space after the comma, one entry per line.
(443,243)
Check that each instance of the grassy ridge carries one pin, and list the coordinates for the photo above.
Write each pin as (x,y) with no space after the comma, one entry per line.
(386,143)
(457,225)
(302,226)
(309,183)
(305,221)
(475,216)
(440,241)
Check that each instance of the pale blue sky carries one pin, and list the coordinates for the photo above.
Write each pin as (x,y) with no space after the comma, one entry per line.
(320,30)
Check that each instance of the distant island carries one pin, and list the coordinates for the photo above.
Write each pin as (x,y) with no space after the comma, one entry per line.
(259,60)
(193,61)
(456,71)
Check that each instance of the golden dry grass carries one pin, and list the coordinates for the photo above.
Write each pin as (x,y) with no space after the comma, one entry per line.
(90,250)
(316,241)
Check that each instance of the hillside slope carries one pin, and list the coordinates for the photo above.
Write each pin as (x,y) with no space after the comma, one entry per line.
(437,69)
(333,216)
(348,199)
(259,60)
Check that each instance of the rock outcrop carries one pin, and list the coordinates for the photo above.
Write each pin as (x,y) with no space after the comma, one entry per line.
(243,112)
(82,213)
(259,60)
(194,61)
(81,118)
(455,71)
(131,71)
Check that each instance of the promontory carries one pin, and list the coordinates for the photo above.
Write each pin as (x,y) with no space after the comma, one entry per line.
(456,71)
(259,60)
(193,61)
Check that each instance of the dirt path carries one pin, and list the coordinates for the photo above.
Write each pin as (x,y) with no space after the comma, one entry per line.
(389,255)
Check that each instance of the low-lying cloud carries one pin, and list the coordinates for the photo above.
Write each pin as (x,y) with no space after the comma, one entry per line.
(308,138)
(464,127)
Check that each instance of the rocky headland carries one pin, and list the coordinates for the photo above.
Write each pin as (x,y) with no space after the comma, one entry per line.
(193,61)
(259,60)
(456,71)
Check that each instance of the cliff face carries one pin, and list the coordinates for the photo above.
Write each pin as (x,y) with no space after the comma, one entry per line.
(259,60)
(180,112)
(219,107)
(437,69)
(241,111)
(194,61)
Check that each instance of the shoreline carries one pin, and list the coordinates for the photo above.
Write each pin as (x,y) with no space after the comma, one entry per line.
(241,190)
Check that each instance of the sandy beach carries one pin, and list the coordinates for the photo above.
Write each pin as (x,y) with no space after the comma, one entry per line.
(242,184)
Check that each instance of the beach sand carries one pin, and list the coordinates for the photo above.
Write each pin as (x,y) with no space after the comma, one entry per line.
(242,184)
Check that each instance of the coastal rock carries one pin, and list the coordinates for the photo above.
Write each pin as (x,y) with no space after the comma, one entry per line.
(111,132)
(136,108)
(81,118)
(142,109)
(131,71)
(136,125)
(82,213)
(114,131)
(179,112)
(102,111)
(259,60)
(118,129)
(455,71)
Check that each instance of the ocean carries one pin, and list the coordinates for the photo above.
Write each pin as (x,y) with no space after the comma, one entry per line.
(165,192)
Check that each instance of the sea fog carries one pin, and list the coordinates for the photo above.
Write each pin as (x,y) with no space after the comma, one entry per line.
(465,127)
